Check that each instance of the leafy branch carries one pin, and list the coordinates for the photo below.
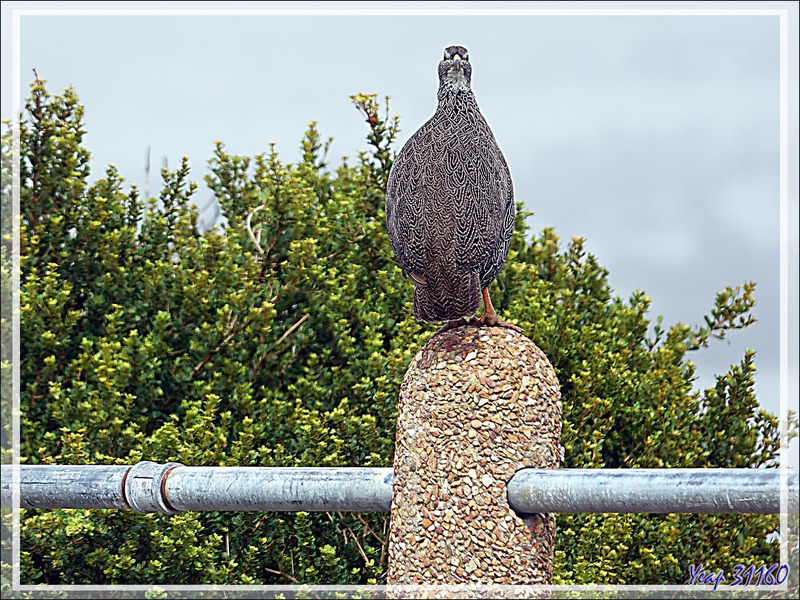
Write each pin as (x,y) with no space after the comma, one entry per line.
(732,310)
(382,132)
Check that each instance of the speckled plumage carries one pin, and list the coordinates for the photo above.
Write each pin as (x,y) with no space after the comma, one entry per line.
(450,201)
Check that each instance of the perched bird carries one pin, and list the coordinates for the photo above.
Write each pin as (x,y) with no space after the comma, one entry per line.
(450,204)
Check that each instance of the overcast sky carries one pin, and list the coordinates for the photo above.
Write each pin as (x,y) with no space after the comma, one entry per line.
(654,137)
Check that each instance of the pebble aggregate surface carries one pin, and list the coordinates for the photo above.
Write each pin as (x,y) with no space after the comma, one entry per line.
(476,405)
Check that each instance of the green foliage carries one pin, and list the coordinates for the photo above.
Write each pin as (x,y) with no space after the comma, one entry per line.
(6,286)
(281,339)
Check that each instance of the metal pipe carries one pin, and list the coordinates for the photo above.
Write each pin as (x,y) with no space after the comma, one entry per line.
(170,488)
(650,491)
(145,484)
(67,486)
(280,489)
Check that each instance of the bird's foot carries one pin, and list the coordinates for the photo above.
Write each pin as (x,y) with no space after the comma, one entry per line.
(492,320)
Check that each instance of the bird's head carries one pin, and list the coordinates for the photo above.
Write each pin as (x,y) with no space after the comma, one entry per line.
(455,72)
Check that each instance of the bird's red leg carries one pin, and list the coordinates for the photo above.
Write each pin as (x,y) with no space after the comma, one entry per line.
(490,318)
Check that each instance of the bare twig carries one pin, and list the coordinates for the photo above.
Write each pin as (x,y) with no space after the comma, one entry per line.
(229,335)
(284,287)
(344,534)
(292,328)
(385,544)
(282,574)
(256,240)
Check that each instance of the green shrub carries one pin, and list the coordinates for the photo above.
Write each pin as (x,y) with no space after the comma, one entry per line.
(281,338)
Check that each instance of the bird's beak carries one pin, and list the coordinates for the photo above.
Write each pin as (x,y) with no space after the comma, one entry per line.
(457,62)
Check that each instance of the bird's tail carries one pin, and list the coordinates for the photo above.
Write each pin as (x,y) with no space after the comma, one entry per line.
(448,299)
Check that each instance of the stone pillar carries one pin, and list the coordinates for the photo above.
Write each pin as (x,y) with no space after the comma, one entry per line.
(476,405)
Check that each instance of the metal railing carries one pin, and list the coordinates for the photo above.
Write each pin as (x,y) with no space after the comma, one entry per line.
(173,487)
(738,491)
